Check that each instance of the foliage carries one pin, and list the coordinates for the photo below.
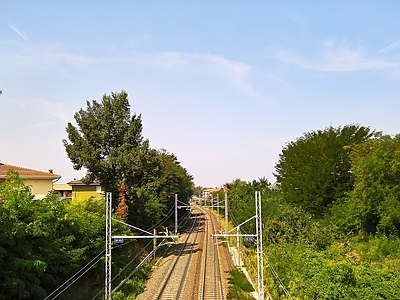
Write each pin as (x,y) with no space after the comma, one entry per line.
(340,272)
(242,202)
(108,142)
(44,242)
(152,198)
(29,256)
(133,286)
(344,218)
(290,224)
(331,228)
(315,170)
(239,287)
(376,194)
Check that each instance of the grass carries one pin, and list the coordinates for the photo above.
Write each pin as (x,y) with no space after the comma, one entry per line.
(239,287)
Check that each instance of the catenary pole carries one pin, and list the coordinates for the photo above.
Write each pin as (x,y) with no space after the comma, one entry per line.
(226,213)
(176,213)
(107,288)
(260,263)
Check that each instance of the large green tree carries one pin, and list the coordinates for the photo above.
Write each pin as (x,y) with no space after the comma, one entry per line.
(315,170)
(108,142)
(376,194)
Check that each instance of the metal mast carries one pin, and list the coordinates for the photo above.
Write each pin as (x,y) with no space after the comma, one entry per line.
(107,288)
(258,236)
(119,238)
(260,261)
(226,213)
(176,213)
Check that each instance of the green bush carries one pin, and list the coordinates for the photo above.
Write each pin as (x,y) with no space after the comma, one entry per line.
(340,272)
(239,287)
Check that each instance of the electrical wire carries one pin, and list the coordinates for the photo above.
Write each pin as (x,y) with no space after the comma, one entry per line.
(184,218)
(233,219)
(89,263)
(132,260)
(279,279)
(169,213)
(139,253)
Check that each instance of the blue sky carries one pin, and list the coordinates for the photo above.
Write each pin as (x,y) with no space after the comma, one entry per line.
(224,85)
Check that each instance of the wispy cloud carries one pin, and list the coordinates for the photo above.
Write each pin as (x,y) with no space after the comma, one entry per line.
(43,57)
(35,127)
(21,34)
(337,57)
(237,72)
(390,47)
(58,110)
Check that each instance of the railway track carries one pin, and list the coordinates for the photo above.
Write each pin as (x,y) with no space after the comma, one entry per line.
(174,278)
(211,282)
(191,269)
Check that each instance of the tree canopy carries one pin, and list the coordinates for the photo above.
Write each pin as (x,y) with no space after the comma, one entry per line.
(376,194)
(43,242)
(108,142)
(315,170)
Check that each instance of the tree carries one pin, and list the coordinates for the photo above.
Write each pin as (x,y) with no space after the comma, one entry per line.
(155,195)
(108,141)
(32,248)
(241,200)
(315,169)
(45,242)
(376,194)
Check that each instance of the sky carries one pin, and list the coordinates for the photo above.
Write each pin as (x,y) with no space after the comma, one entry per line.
(224,85)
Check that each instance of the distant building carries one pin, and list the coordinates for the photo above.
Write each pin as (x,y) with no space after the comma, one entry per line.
(41,182)
(81,190)
(64,189)
(206,193)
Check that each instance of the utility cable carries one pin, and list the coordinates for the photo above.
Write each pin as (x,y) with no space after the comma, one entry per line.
(163,219)
(89,263)
(132,260)
(233,219)
(139,253)
(279,280)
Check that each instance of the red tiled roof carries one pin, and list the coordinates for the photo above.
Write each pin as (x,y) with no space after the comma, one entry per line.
(80,182)
(27,173)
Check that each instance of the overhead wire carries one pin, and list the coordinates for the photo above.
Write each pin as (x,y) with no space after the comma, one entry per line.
(91,263)
(233,219)
(278,279)
(169,213)
(132,260)
(102,252)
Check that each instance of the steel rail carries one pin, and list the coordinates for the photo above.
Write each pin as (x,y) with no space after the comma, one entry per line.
(217,270)
(174,263)
(204,265)
(215,265)
(187,265)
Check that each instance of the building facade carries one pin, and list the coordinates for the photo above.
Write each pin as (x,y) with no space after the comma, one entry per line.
(40,182)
